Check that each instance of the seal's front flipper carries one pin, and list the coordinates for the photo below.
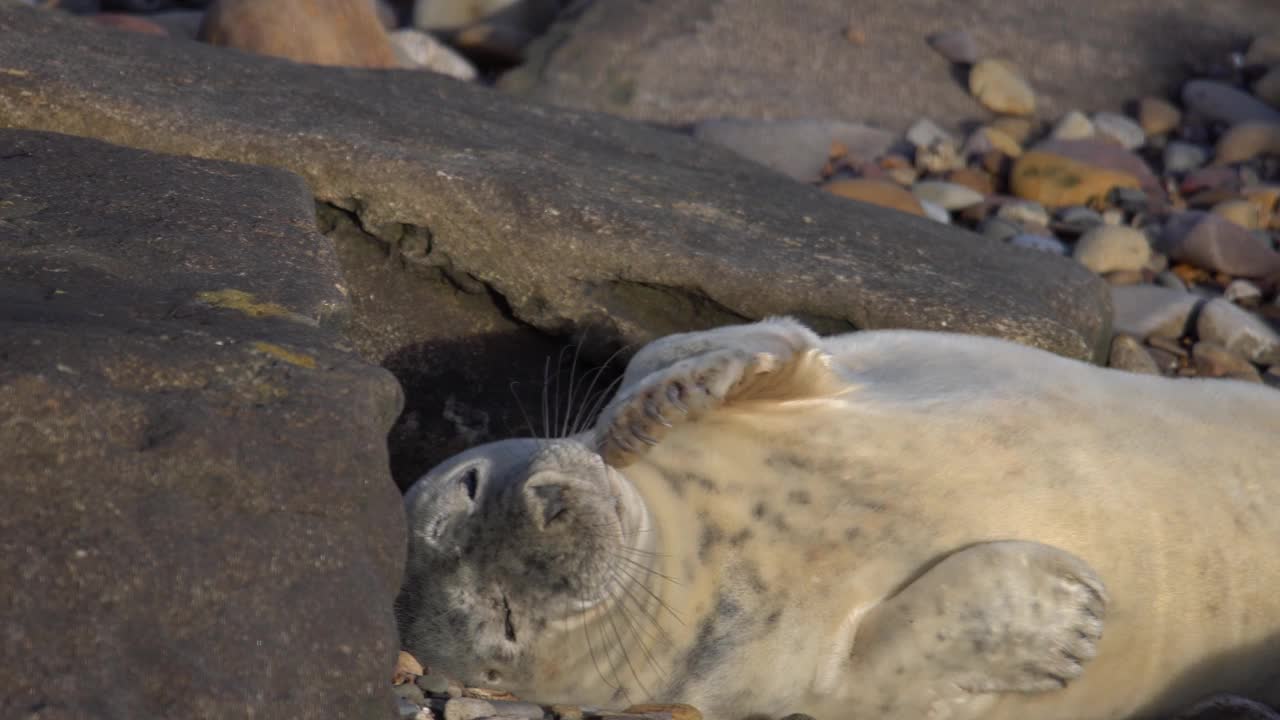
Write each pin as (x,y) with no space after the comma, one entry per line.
(684,377)
(997,617)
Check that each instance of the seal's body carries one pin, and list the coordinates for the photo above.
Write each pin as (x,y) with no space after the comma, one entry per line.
(888,524)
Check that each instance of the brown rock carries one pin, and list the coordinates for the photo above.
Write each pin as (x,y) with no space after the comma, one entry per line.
(1267,88)
(1247,141)
(1002,142)
(318,32)
(1267,199)
(876,192)
(408,669)
(1056,181)
(1264,50)
(1057,173)
(132,23)
(1157,116)
(1241,212)
(1017,129)
(973,178)
(1214,243)
(999,86)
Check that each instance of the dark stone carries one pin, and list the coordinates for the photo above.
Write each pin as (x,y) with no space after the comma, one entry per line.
(567,220)
(682,61)
(198,519)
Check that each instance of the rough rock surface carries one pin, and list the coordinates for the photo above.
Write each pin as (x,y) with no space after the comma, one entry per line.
(680,61)
(198,516)
(566,220)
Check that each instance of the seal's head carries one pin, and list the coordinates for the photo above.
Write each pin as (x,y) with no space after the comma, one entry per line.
(512,544)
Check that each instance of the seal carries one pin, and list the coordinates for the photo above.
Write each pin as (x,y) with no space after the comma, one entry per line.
(884,524)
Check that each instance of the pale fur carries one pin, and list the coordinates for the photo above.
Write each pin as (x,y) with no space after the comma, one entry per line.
(789,524)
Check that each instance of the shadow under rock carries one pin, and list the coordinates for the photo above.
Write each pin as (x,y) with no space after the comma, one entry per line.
(463,392)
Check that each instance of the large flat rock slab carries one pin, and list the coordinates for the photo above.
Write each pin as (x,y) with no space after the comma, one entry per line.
(198,517)
(570,219)
(680,61)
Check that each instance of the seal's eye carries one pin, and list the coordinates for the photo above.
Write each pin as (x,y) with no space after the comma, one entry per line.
(492,676)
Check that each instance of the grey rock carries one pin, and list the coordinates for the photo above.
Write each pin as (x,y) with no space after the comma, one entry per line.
(421,51)
(433,684)
(1077,220)
(514,709)
(957,46)
(170,328)
(1181,157)
(1131,200)
(998,229)
(574,221)
(1221,102)
(1243,292)
(925,133)
(468,709)
(1171,280)
(1129,354)
(1032,241)
(936,212)
(409,692)
(408,710)
(797,148)
(1239,331)
(680,61)
(1146,311)
(1215,243)
(1121,129)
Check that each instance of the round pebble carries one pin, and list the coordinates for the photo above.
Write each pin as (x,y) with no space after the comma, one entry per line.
(948,195)
(957,46)
(1121,129)
(1241,212)
(1000,88)
(1181,157)
(1128,354)
(1157,116)
(1025,213)
(1112,248)
(1224,103)
(1075,125)
(925,133)
(1243,292)
(433,685)
(998,229)
(468,709)
(1077,220)
(1267,88)
(876,192)
(1247,141)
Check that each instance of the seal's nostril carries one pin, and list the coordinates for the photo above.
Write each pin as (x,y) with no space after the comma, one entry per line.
(470,481)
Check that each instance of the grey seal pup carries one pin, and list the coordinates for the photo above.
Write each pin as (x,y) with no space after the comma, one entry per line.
(885,524)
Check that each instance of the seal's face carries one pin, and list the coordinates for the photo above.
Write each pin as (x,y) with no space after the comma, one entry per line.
(509,543)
